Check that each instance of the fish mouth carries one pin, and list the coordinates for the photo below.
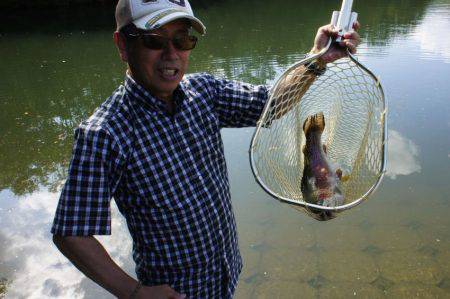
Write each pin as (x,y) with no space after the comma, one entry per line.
(321,215)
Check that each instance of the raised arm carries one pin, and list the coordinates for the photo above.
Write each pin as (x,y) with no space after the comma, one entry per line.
(303,77)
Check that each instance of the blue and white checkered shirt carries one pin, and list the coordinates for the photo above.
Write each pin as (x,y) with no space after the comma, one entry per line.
(168,176)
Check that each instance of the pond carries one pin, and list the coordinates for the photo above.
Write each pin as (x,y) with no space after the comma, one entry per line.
(58,67)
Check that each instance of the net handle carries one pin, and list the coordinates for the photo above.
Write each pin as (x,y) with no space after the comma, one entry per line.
(344,19)
(344,15)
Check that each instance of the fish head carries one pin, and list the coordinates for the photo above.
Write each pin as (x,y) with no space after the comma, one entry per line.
(334,198)
(321,215)
(314,123)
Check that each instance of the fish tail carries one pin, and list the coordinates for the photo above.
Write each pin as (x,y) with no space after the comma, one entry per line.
(314,123)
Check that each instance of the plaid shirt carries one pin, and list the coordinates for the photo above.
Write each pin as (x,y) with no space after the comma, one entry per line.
(168,176)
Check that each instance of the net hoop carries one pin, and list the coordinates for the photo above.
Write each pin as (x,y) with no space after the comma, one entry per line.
(266,109)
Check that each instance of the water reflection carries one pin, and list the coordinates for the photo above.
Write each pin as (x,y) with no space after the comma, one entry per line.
(46,91)
(29,261)
(431,34)
(403,155)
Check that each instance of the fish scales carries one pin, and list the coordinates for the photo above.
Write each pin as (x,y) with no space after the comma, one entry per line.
(319,183)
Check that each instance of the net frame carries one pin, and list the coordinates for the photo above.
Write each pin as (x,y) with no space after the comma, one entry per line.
(260,124)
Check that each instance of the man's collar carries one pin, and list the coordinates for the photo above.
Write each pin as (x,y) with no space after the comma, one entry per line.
(139,92)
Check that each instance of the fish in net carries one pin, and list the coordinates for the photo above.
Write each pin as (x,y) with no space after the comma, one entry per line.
(351,148)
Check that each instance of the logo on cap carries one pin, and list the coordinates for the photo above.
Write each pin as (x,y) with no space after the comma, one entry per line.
(179,2)
(151,24)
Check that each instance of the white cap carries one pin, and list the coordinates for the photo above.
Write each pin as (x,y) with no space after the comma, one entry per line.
(152,14)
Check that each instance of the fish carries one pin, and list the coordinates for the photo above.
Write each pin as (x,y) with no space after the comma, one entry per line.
(320,182)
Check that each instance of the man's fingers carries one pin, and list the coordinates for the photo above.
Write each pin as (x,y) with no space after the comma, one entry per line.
(351,41)
(356,26)
(328,30)
(352,35)
(350,46)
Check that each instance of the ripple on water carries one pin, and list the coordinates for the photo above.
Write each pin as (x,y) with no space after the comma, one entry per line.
(284,289)
(349,290)
(416,290)
(341,237)
(382,283)
(372,250)
(289,264)
(405,266)
(391,237)
(350,266)
(290,234)
(443,260)
(444,284)
(437,236)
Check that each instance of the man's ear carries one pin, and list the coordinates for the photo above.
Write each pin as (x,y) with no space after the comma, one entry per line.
(120,42)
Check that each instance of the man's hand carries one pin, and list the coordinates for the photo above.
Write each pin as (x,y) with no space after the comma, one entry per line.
(158,292)
(349,41)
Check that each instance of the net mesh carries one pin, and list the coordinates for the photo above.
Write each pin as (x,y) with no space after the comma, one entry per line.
(352,102)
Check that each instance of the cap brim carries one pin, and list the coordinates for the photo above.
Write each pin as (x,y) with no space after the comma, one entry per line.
(150,22)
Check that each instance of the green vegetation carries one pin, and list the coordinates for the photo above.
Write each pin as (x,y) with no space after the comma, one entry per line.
(16,4)
(50,3)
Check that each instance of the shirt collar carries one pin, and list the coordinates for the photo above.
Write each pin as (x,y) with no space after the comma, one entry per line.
(140,93)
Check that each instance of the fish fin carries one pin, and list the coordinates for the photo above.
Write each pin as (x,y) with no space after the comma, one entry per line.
(324,148)
(342,178)
(345,178)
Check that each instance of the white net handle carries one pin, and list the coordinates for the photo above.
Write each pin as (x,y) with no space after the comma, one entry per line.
(344,19)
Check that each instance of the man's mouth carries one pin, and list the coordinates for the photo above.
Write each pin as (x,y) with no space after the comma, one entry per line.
(169,73)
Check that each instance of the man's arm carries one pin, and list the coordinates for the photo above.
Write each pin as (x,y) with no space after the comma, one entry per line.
(91,258)
(304,78)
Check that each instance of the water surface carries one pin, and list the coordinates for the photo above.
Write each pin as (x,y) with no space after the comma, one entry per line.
(396,245)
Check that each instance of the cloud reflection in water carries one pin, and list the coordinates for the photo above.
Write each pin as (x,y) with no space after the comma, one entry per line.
(402,156)
(34,266)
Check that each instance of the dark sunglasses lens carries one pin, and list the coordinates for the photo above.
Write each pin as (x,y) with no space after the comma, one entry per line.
(157,42)
(185,43)
(154,42)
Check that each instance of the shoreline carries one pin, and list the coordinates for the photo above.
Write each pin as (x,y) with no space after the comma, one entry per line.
(15,5)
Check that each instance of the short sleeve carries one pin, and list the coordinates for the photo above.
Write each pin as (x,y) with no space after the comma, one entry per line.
(239,104)
(94,173)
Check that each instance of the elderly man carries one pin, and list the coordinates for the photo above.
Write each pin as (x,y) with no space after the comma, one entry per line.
(155,146)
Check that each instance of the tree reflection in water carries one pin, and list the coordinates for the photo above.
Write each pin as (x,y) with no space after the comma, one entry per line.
(47,91)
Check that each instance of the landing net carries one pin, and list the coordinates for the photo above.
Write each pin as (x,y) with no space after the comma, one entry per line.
(352,101)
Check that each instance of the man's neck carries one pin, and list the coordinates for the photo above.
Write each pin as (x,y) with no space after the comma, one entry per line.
(166,98)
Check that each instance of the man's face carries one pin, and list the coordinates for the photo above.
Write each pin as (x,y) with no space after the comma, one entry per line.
(159,71)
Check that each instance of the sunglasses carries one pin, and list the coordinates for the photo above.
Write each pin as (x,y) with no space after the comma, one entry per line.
(153,41)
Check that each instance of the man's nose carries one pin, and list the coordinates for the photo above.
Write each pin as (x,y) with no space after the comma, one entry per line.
(169,51)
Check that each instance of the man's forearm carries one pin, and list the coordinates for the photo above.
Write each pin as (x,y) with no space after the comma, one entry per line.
(91,258)
(291,90)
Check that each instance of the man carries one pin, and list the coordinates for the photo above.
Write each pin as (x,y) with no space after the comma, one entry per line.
(155,146)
